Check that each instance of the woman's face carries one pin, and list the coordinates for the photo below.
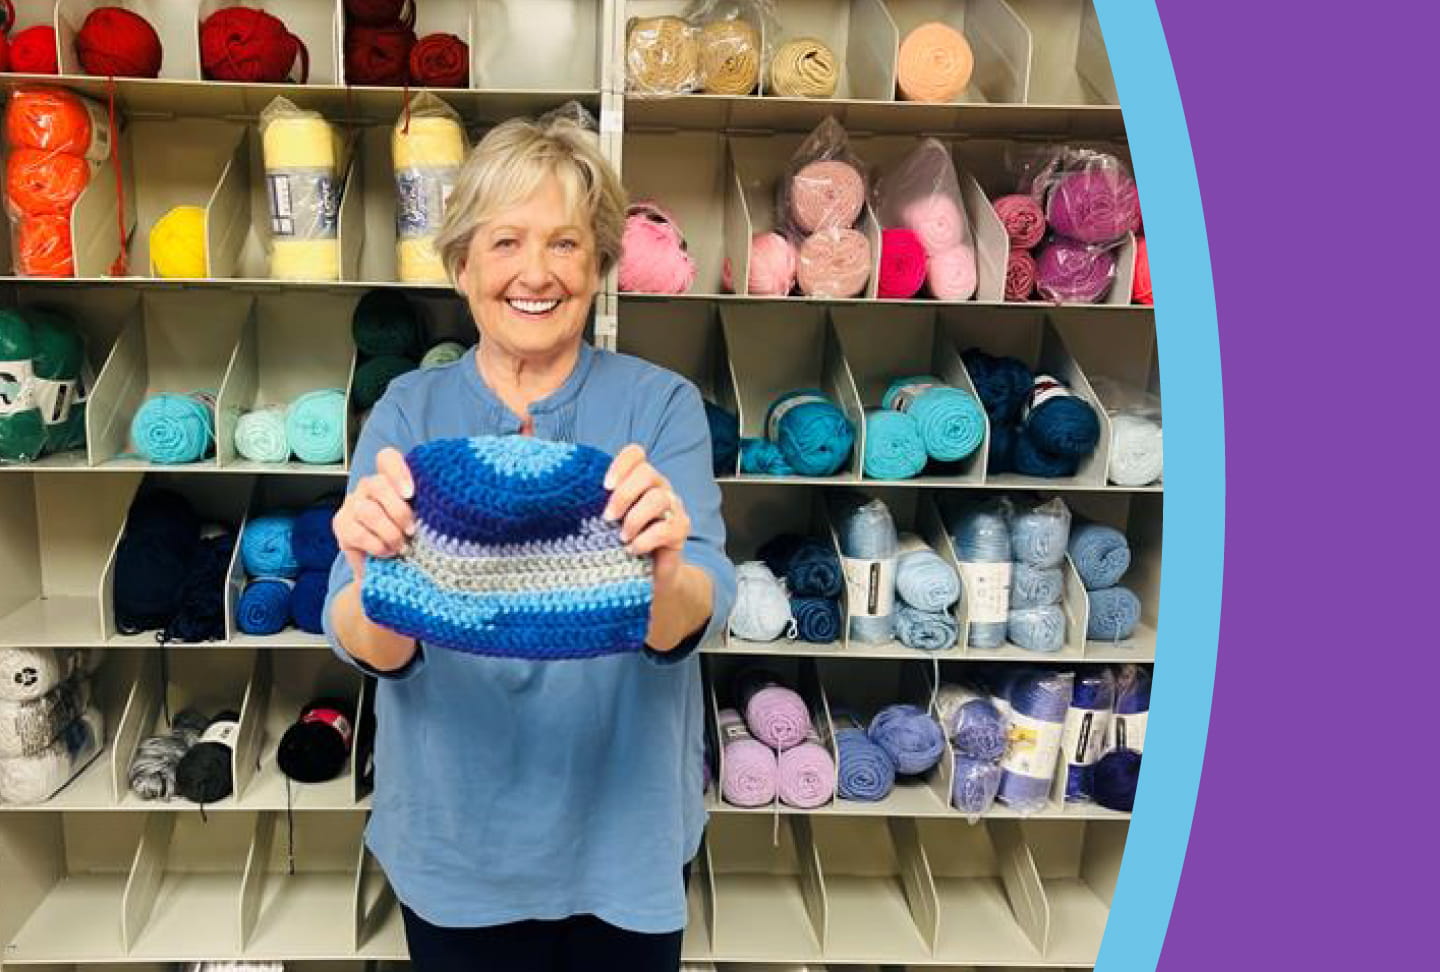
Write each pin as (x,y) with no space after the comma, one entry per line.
(530,275)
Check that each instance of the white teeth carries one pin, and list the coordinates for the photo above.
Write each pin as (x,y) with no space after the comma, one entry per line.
(534,306)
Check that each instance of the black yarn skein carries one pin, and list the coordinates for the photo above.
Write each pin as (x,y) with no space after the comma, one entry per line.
(161,535)
(204,774)
(316,747)
(200,613)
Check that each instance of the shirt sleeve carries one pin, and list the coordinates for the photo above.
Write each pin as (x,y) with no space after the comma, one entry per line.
(386,426)
(681,452)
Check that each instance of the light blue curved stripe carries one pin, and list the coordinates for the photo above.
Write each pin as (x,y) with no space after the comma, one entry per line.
(1193,545)
(403,581)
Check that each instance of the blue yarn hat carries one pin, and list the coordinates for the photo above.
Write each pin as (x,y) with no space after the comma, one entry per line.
(510,556)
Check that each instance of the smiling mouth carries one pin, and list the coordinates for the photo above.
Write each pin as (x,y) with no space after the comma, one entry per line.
(533,308)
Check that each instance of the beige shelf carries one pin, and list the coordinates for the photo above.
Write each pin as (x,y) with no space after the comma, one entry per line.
(52,933)
(305,916)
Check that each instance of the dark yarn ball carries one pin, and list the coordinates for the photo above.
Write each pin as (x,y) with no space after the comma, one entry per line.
(205,774)
(313,750)
(200,615)
(1115,777)
(1002,448)
(1066,426)
(152,561)
(378,55)
(724,439)
(1032,461)
(378,13)
(384,322)
(809,566)
(1003,384)
(817,619)
(313,539)
(307,601)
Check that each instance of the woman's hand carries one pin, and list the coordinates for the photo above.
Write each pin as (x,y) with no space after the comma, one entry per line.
(376,518)
(653,517)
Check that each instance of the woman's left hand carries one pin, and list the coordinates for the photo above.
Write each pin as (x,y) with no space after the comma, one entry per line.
(652,515)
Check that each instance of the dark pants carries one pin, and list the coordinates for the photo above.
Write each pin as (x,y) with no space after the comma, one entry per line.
(579,942)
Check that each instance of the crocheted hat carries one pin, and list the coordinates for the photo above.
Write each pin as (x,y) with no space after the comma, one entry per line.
(510,556)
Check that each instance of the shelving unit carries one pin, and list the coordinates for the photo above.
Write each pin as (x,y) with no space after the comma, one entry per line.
(903,883)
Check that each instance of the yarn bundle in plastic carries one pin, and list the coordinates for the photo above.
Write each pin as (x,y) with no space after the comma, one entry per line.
(910,736)
(982,545)
(1039,535)
(762,609)
(653,257)
(976,784)
(833,262)
(204,774)
(869,545)
(22,426)
(814,436)
(1038,702)
(1072,272)
(250,45)
(1087,725)
(316,747)
(928,631)
(58,366)
(1116,775)
(116,42)
(40,183)
(926,588)
(1137,454)
(972,721)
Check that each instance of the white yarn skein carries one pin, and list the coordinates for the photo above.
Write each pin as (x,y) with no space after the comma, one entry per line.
(1136,454)
(762,610)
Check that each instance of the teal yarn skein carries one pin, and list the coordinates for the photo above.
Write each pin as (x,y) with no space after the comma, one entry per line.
(951,421)
(813,434)
(315,426)
(22,428)
(171,429)
(384,323)
(260,435)
(375,375)
(894,448)
(58,359)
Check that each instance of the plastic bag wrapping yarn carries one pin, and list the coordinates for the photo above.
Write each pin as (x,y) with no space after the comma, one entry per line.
(427,148)
(35,778)
(1136,442)
(762,609)
(662,56)
(869,544)
(923,579)
(1040,533)
(922,194)
(972,721)
(1087,723)
(824,183)
(729,36)
(1072,272)
(304,159)
(982,545)
(1038,702)
(45,374)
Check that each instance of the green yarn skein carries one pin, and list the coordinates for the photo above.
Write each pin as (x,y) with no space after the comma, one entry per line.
(384,323)
(446,352)
(260,435)
(315,426)
(373,377)
(22,429)
(59,357)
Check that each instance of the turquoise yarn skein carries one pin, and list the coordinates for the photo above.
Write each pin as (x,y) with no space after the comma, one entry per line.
(315,426)
(813,434)
(950,420)
(894,448)
(171,429)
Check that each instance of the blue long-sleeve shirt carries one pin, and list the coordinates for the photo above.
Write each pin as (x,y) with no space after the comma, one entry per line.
(508,789)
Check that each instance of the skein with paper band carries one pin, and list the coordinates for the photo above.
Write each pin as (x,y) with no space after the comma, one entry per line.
(302,155)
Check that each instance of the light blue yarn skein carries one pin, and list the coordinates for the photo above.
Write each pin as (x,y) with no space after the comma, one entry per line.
(260,435)
(1035,586)
(267,547)
(924,579)
(867,532)
(893,446)
(1114,614)
(315,426)
(1039,536)
(1101,554)
(761,611)
(170,429)
(815,437)
(982,537)
(951,421)
(1039,629)
(925,630)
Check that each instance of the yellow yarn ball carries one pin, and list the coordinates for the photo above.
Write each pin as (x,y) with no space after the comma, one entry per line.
(177,243)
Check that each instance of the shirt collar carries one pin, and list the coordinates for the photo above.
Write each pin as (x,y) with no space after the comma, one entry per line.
(559,398)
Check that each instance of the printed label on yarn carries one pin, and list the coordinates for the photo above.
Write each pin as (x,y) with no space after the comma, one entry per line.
(17,386)
(987,591)
(421,195)
(871,586)
(220,732)
(99,148)
(734,731)
(1127,732)
(53,398)
(772,427)
(333,718)
(905,396)
(1084,738)
(304,203)
(1033,746)
(1046,388)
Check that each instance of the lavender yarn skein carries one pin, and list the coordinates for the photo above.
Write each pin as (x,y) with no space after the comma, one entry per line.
(909,736)
(806,776)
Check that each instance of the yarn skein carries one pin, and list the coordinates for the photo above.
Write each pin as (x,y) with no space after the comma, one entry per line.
(1040,535)
(171,429)
(33,51)
(41,183)
(200,615)
(250,45)
(653,256)
(1020,275)
(909,736)
(1101,554)
(902,264)
(385,323)
(729,57)
(772,267)
(894,447)
(934,64)
(204,774)
(440,61)
(982,545)
(1039,629)
(818,620)
(316,747)
(116,42)
(1038,703)
(1060,422)
(307,600)
(976,784)
(264,607)
(867,773)
(925,630)
(806,775)
(446,352)
(724,439)
(777,715)
(1114,614)
(750,774)
(267,546)
(808,565)
(826,194)
(814,435)
(22,426)
(1068,271)
(761,611)
(378,55)
(152,770)
(1023,219)
(833,262)
(762,457)
(950,421)
(972,721)
(869,544)
(260,435)
(313,540)
(177,243)
(1086,726)
(375,375)
(1137,455)
(804,68)
(923,579)
(315,426)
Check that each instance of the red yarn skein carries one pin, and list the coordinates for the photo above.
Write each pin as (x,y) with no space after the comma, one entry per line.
(32,51)
(115,41)
(380,13)
(440,61)
(244,44)
(4,53)
(378,55)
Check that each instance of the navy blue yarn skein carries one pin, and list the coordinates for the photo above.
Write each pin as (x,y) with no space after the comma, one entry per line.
(1029,459)
(200,615)
(1064,426)
(817,619)
(1002,448)
(307,600)
(264,607)
(152,559)
(1115,778)
(724,439)
(1003,383)
(810,566)
(313,539)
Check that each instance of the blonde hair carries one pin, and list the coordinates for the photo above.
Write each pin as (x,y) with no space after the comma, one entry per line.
(509,165)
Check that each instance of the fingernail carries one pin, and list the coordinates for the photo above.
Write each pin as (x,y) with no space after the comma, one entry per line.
(410,530)
(608,516)
(408,491)
(609,481)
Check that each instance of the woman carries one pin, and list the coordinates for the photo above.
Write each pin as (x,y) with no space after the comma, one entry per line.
(539,815)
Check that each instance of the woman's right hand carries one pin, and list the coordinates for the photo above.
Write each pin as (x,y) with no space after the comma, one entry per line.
(376,518)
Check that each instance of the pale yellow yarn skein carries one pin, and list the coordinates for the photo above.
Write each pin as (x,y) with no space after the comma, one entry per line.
(435,146)
(804,68)
(302,141)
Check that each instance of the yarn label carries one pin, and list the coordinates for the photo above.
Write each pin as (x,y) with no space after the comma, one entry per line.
(53,398)
(332,718)
(870,585)
(987,591)
(304,203)
(772,426)
(99,148)
(17,386)
(734,731)
(1046,388)
(421,195)
(1127,732)
(1033,746)
(220,732)
(906,395)
(1084,737)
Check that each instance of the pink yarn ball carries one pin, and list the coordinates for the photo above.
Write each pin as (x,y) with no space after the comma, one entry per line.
(772,266)
(827,194)
(937,220)
(951,274)
(653,258)
(834,263)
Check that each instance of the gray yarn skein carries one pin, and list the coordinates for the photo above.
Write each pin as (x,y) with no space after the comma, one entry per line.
(152,771)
